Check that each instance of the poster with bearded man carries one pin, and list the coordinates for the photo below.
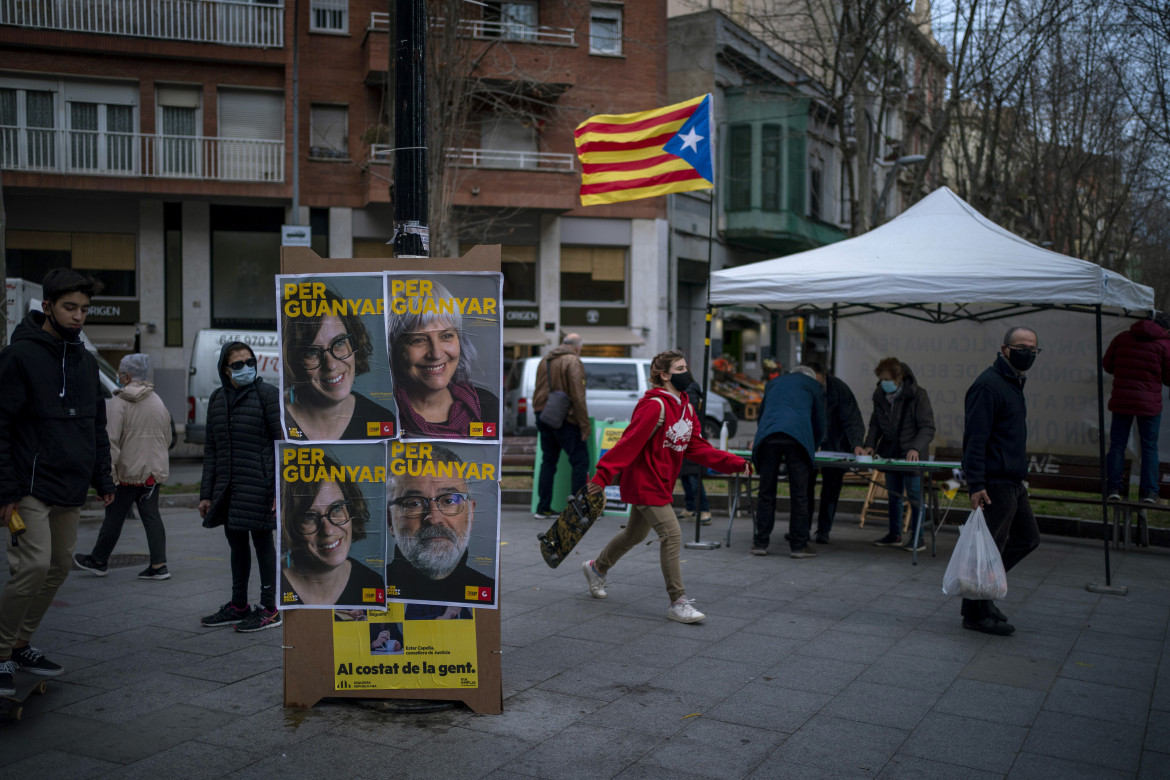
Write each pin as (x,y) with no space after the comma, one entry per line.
(443,503)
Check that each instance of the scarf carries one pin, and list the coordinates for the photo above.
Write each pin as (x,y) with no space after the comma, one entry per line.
(465,410)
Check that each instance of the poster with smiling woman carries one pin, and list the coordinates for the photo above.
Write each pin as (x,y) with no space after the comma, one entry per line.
(445,336)
(335,373)
(331,515)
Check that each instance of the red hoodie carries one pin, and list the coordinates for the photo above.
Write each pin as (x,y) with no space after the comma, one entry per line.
(649,460)
(1139,360)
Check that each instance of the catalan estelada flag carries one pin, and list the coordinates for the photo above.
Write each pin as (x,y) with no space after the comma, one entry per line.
(631,156)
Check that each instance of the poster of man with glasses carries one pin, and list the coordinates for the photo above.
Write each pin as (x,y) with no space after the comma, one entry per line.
(333,532)
(335,369)
(443,503)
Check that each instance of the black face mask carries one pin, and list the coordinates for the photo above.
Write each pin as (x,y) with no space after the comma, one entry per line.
(72,335)
(681,381)
(1021,361)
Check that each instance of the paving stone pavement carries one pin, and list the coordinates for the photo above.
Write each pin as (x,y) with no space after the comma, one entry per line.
(852,664)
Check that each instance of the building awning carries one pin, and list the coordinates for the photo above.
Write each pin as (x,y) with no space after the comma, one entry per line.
(525,337)
(596,334)
(113,337)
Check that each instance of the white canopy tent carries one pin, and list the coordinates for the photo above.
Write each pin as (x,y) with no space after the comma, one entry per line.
(934,262)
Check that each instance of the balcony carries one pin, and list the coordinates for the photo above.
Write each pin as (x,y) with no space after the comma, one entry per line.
(224,22)
(491,31)
(779,232)
(92,153)
(495,158)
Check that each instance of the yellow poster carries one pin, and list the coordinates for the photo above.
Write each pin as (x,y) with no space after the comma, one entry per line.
(407,646)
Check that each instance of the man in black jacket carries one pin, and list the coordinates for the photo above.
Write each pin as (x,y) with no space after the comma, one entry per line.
(844,432)
(53,448)
(995,463)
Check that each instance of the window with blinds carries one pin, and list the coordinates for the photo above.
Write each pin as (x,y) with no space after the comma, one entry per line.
(329,131)
(593,274)
(329,16)
(251,129)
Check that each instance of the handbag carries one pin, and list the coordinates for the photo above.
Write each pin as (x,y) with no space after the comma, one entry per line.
(557,406)
(976,567)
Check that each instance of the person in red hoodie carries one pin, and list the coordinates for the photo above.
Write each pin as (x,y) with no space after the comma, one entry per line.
(663,428)
(1139,360)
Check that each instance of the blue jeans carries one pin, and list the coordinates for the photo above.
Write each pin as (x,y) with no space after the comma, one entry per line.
(897,483)
(695,494)
(552,442)
(1115,460)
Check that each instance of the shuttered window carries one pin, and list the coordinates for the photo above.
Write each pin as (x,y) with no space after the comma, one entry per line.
(248,114)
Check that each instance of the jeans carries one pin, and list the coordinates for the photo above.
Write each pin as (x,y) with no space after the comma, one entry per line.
(126,496)
(242,565)
(1115,461)
(1013,526)
(39,565)
(897,483)
(664,522)
(552,442)
(695,494)
(768,455)
(831,480)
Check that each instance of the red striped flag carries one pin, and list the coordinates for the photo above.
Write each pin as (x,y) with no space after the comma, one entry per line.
(648,153)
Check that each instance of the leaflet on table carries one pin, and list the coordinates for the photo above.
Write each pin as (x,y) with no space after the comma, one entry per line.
(405,646)
(445,333)
(444,511)
(331,523)
(336,381)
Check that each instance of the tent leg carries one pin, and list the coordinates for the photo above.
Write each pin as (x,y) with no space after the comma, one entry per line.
(699,545)
(1095,587)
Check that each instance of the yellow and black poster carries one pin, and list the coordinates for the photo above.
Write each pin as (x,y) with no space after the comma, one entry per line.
(410,646)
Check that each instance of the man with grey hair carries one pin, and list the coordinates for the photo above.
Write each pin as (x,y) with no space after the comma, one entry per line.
(561,371)
(995,463)
(140,430)
(431,518)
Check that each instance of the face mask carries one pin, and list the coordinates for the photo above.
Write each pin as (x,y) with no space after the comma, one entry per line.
(72,335)
(681,381)
(244,376)
(889,386)
(1021,361)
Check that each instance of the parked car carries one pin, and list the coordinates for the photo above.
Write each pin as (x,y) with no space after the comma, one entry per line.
(612,388)
(204,379)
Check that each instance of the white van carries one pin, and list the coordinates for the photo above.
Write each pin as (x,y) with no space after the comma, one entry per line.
(612,388)
(204,379)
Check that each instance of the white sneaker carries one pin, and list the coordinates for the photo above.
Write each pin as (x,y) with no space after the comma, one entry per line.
(683,612)
(595,580)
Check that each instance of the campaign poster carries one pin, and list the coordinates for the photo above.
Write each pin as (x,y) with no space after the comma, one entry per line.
(331,523)
(443,500)
(607,435)
(445,333)
(407,646)
(336,382)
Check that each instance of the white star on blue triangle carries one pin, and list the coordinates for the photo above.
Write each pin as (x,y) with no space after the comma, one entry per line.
(692,142)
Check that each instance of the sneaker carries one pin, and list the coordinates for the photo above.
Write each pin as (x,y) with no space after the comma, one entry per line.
(1113,496)
(804,552)
(889,540)
(595,580)
(759,551)
(683,612)
(685,514)
(29,659)
(7,678)
(151,573)
(228,614)
(705,518)
(1150,500)
(89,564)
(259,620)
(920,547)
(544,515)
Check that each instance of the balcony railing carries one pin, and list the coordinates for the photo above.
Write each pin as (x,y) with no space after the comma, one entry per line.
(494,158)
(92,153)
(478,28)
(225,22)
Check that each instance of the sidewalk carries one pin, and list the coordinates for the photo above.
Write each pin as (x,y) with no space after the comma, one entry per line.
(852,664)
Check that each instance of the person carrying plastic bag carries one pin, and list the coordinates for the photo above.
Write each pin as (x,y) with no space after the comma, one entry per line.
(976,568)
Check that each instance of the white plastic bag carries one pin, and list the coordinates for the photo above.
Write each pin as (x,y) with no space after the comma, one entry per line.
(976,568)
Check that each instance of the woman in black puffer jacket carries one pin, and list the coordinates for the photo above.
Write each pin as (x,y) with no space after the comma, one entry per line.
(239,476)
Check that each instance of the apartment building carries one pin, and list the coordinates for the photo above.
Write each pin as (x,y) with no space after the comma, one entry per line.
(153,143)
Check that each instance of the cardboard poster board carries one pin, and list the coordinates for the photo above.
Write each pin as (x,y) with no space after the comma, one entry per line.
(427,644)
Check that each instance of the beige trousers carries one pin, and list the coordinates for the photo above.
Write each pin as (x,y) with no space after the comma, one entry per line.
(38,564)
(642,518)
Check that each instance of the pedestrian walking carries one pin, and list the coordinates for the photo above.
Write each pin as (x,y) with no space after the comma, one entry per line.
(562,420)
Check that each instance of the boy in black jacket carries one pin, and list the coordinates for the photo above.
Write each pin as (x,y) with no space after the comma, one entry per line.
(53,448)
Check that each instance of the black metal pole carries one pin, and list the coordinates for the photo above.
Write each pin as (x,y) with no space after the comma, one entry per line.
(1101,447)
(411,230)
(706,347)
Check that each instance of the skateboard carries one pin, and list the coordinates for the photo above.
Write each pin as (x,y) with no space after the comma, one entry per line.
(562,536)
(12,707)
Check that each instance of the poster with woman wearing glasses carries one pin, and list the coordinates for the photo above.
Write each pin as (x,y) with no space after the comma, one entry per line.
(335,374)
(443,501)
(445,333)
(332,521)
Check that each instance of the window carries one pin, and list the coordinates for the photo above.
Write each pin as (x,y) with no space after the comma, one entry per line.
(508,141)
(515,20)
(178,121)
(816,175)
(251,129)
(593,274)
(771,167)
(173,278)
(329,16)
(739,174)
(605,29)
(101,137)
(329,131)
(245,254)
(27,119)
(611,376)
(519,266)
(108,257)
